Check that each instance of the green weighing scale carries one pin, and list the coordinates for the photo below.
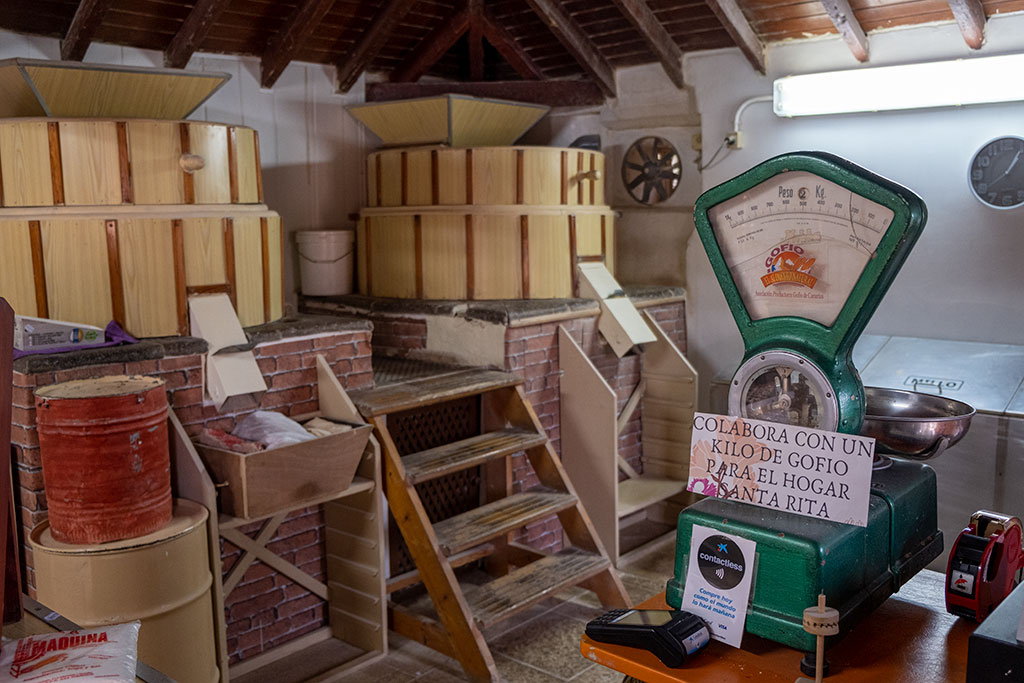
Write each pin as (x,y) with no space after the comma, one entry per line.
(804,246)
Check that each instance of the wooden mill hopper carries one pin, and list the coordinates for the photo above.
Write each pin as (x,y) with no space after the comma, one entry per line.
(473,217)
(112,208)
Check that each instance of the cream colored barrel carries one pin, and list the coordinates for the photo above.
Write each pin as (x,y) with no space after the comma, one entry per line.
(106,162)
(443,176)
(162,579)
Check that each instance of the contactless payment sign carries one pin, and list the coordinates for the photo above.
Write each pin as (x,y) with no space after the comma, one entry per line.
(718,582)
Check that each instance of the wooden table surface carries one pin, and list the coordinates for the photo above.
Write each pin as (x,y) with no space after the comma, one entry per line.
(909,639)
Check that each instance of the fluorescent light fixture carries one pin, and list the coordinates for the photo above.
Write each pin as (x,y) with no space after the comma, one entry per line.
(911,86)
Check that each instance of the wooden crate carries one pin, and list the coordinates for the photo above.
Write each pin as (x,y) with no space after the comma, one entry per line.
(256,485)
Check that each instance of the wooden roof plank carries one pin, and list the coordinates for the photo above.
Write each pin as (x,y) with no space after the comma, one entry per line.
(568,32)
(498,36)
(657,38)
(850,30)
(192,32)
(87,20)
(370,43)
(739,29)
(282,47)
(432,48)
(552,93)
(970,17)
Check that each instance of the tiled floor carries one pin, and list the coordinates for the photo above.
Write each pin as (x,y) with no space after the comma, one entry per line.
(540,645)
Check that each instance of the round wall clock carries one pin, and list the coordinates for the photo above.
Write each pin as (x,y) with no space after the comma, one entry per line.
(996,175)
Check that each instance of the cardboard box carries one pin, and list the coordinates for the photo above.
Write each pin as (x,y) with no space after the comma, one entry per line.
(37,334)
(258,485)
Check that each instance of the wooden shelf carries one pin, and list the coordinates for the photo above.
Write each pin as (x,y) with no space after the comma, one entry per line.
(637,494)
(591,425)
(354,521)
(316,656)
(358,485)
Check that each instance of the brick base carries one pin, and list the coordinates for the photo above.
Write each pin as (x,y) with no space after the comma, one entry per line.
(266,609)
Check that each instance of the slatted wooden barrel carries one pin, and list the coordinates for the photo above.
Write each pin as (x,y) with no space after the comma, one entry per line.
(482,223)
(104,219)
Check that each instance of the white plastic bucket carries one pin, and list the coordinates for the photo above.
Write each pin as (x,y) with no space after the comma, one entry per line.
(326,258)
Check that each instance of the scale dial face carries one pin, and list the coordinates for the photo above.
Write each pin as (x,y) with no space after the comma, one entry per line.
(796,244)
(785,387)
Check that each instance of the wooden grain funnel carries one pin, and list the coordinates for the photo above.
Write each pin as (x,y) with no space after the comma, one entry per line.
(38,87)
(454,120)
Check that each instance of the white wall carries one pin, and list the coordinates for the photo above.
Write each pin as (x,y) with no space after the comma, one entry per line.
(964,279)
(312,151)
(650,241)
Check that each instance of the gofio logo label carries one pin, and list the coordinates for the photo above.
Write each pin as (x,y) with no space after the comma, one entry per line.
(721,562)
(789,263)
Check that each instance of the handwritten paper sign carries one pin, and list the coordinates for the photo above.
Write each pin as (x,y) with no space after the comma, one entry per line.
(718,580)
(785,467)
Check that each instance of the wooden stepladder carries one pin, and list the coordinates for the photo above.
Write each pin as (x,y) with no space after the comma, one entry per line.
(523,575)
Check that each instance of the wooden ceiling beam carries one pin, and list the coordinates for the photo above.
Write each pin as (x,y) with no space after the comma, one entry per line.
(193,32)
(498,36)
(970,17)
(841,14)
(569,34)
(371,42)
(286,43)
(87,20)
(740,30)
(657,38)
(551,93)
(475,35)
(432,48)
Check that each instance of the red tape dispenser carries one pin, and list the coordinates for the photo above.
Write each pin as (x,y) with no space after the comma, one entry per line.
(985,564)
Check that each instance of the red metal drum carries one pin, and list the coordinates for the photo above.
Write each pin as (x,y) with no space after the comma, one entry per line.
(106,460)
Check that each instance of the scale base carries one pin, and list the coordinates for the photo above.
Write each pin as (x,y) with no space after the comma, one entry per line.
(799,557)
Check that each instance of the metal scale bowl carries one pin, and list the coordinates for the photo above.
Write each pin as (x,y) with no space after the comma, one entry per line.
(804,247)
(913,425)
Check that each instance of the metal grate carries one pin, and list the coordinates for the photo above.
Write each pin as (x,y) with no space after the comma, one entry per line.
(388,370)
(428,427)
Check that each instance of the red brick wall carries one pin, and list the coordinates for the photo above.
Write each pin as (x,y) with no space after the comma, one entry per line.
(396,336)
(266,609)
(672,320)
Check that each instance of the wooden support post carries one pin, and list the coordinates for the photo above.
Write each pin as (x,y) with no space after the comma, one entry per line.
(87,20)
(576,41)
(970,17)
(841,14)
(193,31)
(739,29)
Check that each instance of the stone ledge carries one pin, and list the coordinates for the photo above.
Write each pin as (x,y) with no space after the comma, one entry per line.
(166,347)
(508,312)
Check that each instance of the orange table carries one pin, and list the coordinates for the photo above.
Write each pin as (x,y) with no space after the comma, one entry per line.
(909,639)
